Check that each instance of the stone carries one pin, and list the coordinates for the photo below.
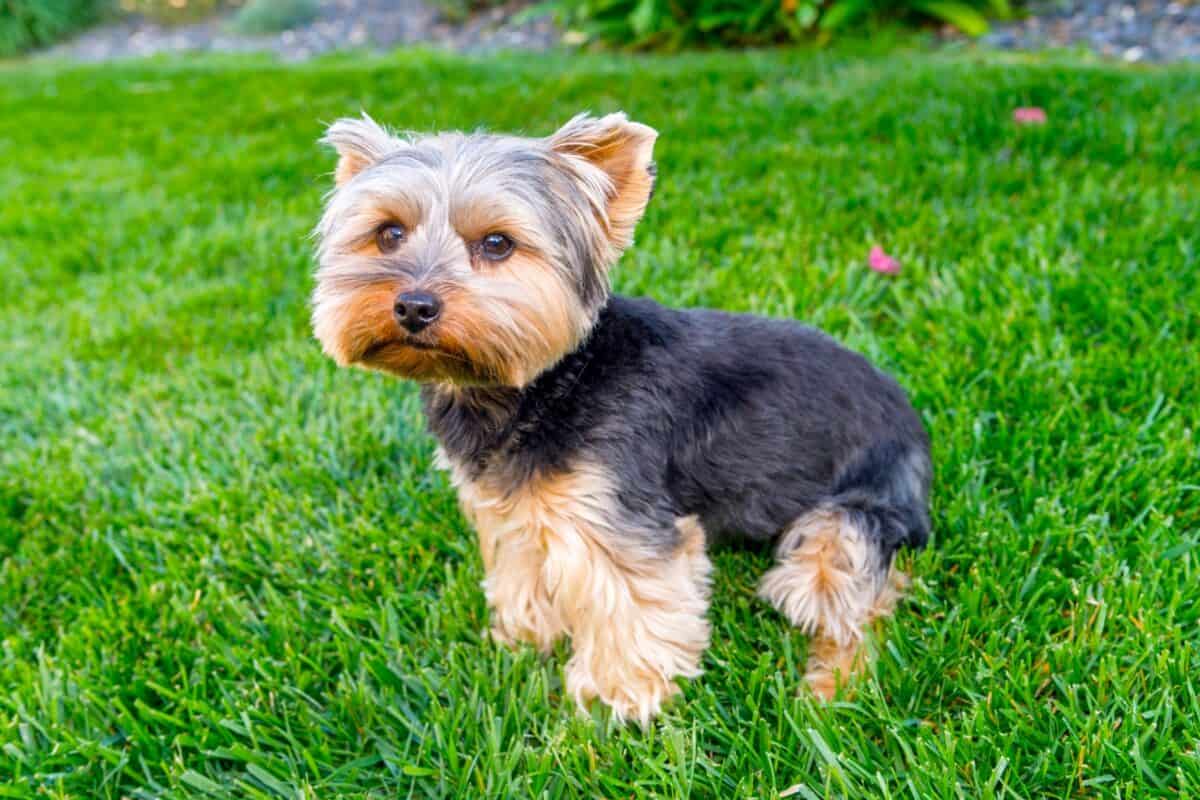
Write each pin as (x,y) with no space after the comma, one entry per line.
(338,24)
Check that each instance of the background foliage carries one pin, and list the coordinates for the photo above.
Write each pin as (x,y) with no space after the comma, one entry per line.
(663,24)
(29,24)
(26,24)
(458,10)
(669,24)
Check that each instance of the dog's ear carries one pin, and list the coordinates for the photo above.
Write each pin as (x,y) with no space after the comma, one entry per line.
(624,152)
(359,144)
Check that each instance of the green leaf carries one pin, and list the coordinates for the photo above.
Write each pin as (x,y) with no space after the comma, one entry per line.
(197,781)
(535,11)
(1178,550)
(711,22)
(417,772)
(270,781)
(960,15)
(806,14)
(643,17)
(1000,8)
(843,12)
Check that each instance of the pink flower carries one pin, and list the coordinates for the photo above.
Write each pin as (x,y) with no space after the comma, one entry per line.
(1029,115)
(881,261)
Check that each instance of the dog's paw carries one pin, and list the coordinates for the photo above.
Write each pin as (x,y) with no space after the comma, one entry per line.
(504,638)
(824,682)
(540,630)
(632,697)
(834,666)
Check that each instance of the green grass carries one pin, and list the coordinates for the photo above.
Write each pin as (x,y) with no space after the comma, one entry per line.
(227,569)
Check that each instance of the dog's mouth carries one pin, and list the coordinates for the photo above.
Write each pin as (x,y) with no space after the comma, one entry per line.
(404,343)
(421,359)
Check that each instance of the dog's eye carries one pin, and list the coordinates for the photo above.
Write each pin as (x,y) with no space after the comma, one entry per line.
(496,247)
(389,237)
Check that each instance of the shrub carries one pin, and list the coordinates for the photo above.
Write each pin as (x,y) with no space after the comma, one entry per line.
(172,12)
(270,16)
(671,24)
(26,24)
(459,10)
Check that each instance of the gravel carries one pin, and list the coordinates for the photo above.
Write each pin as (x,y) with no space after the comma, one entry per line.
(1149,30)
(340,24)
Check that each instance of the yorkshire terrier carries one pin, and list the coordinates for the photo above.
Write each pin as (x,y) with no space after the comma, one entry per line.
(599,443)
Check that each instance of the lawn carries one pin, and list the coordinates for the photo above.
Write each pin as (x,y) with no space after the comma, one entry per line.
(228,569)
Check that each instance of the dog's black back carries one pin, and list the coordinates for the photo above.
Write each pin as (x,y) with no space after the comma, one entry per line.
(743,421)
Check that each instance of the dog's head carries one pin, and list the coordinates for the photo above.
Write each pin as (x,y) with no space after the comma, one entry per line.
(474,259)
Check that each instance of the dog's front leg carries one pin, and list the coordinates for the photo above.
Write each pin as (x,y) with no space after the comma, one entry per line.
(636,616)
(521,607)
(562,555)
(513,547)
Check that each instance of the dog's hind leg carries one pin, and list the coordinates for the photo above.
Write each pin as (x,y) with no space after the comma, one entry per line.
(835,573)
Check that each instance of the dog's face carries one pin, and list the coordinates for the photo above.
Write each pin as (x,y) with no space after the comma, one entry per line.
(474,259)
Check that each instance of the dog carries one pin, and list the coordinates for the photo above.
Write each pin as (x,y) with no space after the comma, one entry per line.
(599,444)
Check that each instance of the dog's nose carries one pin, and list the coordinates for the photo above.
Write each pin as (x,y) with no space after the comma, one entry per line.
(415,310)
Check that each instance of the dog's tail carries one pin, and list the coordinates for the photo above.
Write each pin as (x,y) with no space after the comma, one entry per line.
(885,492)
